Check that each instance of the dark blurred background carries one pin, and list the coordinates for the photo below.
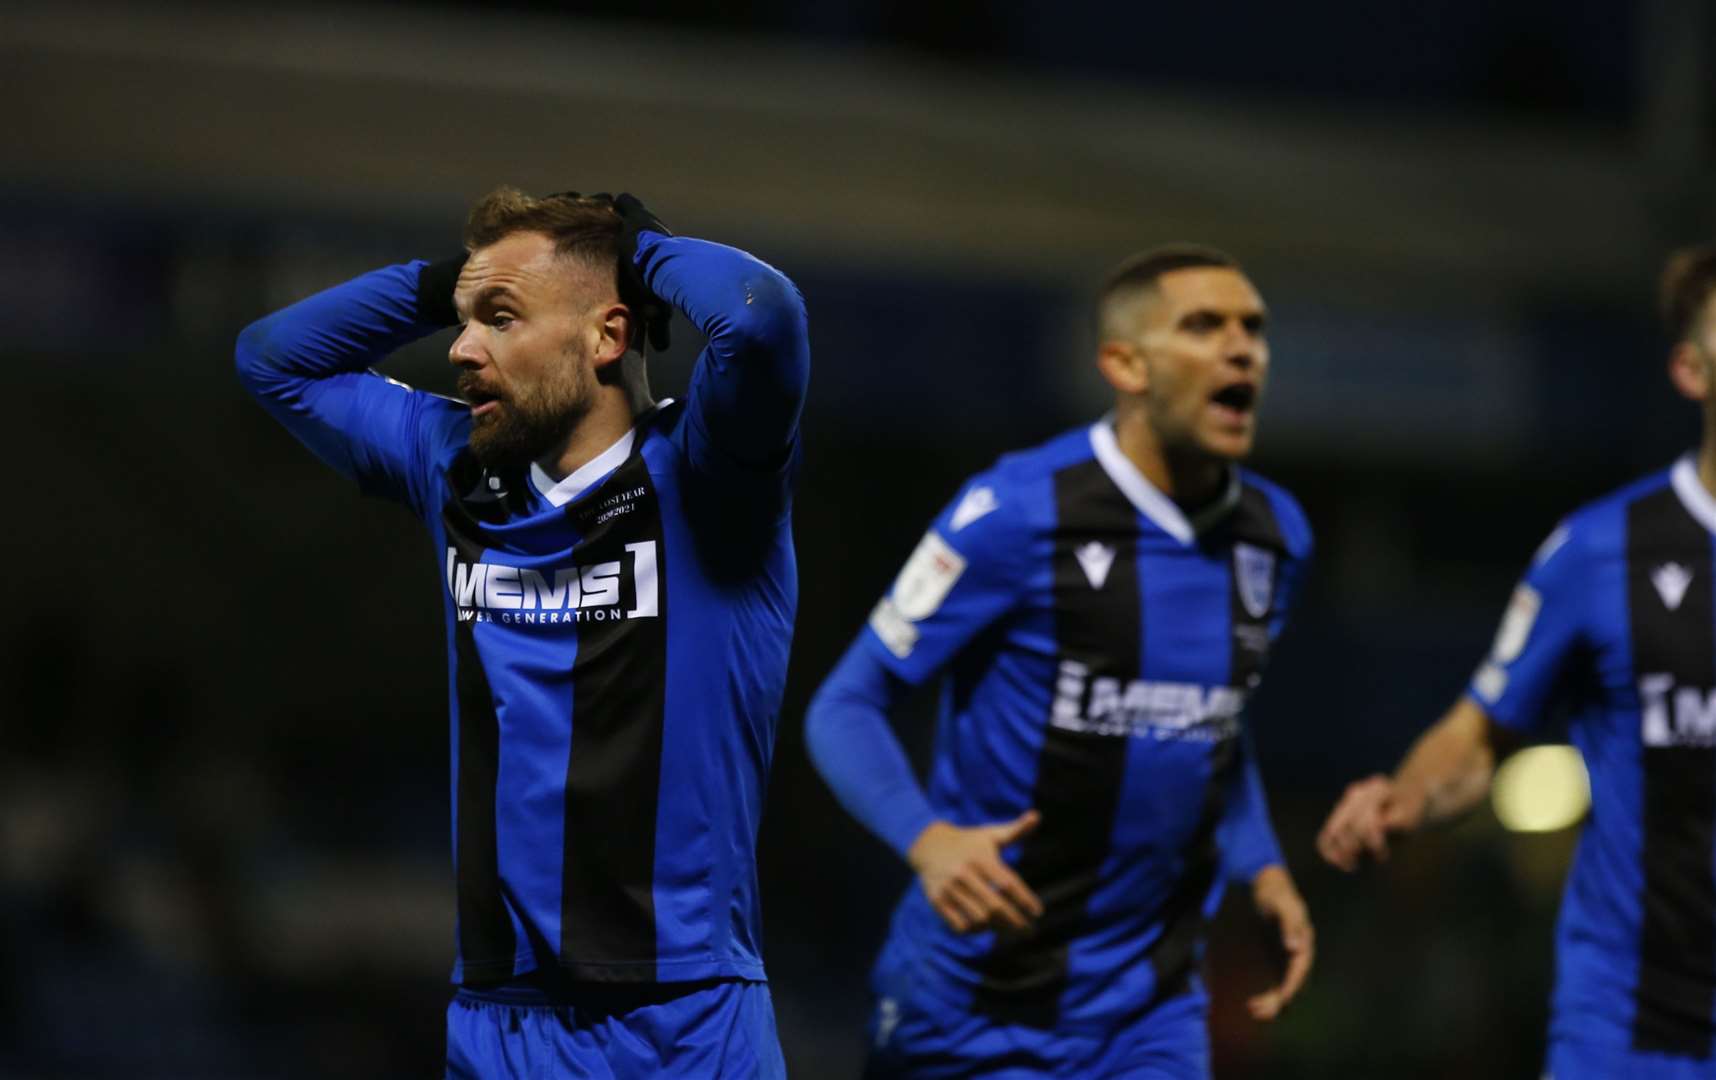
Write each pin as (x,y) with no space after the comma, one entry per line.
(223,790)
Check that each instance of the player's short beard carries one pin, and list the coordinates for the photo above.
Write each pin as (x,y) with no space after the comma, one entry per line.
(528,423)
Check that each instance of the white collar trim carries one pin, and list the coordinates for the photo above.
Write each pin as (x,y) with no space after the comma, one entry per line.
(562,492)
(1147,497)
(1698,502)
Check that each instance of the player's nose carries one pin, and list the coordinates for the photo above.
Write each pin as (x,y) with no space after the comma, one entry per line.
(465,352)
(1244,357)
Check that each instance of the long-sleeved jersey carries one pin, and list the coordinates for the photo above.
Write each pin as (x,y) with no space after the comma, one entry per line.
(1099,647)
(1617,615)
(617,641)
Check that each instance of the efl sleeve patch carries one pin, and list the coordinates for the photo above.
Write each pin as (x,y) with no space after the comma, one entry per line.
(895,630)
(924,582)
(1540,639)
(1516,625)
(927,577)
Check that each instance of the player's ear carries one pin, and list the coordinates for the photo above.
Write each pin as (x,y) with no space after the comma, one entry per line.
(615,328)
(1689,371)
(1122,364)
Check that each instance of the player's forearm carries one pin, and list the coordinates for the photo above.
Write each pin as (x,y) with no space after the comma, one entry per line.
(753,376)
(1448,770)
(1245,835)
(306,365)
(342,329)
(854,748)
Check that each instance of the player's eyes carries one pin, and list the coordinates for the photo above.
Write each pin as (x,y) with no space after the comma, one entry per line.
(1253,324)
(500,320)
(1201,322)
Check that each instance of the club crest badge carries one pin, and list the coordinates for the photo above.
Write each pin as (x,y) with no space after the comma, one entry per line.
(1254,576)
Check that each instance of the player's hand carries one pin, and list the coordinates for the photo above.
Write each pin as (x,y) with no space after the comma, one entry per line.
(1361,822)
(1279,902)
(966,880)
(435,284)
(654,313)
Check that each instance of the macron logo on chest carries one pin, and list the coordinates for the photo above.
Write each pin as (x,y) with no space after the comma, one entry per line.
(1671,581)
(1095,559)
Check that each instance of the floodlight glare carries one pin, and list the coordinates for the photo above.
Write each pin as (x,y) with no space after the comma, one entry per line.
(1541,789)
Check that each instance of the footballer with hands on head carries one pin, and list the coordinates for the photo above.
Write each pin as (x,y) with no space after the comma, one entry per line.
(619,586)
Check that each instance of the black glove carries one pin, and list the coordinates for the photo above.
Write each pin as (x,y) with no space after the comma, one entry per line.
(652,312)
(656,315)
(435,284)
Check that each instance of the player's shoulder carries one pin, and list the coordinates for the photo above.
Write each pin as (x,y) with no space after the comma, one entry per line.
(1289,520)
(658,437)
(1613,506)
(430,401)
(1015,493)
(745,503)
(1599,527)
(444,422)
(1045,459)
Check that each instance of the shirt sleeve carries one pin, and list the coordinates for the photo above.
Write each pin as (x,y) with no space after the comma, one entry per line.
(966,573)
(308,365)
(854,748)
(749,384)
(1244,834)
(1294,570)
(1541,629)
(1300,545)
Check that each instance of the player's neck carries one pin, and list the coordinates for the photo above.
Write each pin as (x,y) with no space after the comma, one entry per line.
(607,422)
(1190,479)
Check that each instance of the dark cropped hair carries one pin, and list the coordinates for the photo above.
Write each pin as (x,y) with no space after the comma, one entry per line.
(1142,269)
(581,226)
(1688,280)
(1138,273)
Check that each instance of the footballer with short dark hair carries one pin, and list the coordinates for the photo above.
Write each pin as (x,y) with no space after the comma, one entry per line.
(618,583)
(1101,607)
(1616,618)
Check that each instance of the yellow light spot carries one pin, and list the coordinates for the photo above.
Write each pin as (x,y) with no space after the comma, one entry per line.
(1541,789)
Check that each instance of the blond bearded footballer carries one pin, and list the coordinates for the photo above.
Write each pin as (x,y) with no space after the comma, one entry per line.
(1617,614)
(1102,606)
(618,583)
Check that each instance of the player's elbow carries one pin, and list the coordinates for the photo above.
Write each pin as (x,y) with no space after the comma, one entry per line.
(822,725)
(251,356)
(772,322)
(853,702)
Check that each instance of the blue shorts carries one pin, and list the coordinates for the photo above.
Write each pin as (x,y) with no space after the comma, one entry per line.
(1569,1060)
(916,1036)
(692,1030)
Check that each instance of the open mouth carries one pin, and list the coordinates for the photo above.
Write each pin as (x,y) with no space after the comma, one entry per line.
(479,399)
(1240,397)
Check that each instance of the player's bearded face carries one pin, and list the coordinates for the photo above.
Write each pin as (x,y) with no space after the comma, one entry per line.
(530,416)
(527,351)
(1207,361)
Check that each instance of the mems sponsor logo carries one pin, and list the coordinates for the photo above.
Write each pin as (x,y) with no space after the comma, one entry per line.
(600,592)
(1143,708)
(1671,715)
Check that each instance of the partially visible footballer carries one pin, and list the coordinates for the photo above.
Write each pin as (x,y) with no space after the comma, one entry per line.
(1616,615)
(619,586)
(1102,607)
